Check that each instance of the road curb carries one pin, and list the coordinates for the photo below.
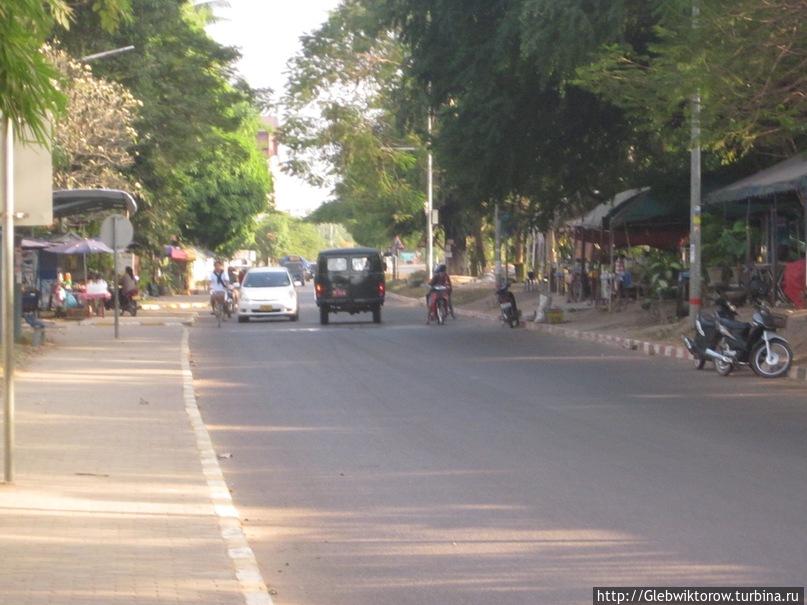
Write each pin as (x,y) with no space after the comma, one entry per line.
(146,321)
(646,347)
(649,348)
(174,306)
(243,558)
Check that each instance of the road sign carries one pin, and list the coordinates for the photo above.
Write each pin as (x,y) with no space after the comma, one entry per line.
(123,231)
(32,171)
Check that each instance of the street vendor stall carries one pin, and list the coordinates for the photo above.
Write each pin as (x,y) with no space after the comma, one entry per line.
(776,198)
(87,295)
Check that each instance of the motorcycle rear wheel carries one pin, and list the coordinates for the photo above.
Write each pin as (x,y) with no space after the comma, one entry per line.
(784,358)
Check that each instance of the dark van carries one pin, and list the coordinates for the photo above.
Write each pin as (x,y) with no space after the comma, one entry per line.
(350,280)
(296,267)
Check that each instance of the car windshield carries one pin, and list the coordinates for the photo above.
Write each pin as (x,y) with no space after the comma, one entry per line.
(274,279)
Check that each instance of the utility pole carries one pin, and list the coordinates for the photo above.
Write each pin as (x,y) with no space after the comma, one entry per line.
(429,203)
(695,197)
(497,256)
(7,292)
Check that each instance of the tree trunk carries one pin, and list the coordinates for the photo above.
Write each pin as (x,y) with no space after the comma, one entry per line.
(457,262)
(518,256)
(478,260)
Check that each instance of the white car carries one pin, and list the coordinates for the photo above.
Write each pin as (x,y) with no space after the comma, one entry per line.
(268,292)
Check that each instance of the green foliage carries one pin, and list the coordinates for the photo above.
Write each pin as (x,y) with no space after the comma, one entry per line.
(226,187)
(511,126)
(344,130)
(657,271)
(723,246)
(200,175)
(278,234)
(746,59)
(29,83)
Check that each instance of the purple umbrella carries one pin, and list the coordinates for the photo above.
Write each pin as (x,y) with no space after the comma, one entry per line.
(83,246)
(34,244)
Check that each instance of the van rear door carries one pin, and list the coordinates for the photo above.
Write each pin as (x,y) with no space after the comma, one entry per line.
(366,273)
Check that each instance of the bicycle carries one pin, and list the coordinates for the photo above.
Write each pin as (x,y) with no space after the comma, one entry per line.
(759,283)
(219,307)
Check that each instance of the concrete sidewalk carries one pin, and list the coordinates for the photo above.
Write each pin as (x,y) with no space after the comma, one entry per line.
(118,495)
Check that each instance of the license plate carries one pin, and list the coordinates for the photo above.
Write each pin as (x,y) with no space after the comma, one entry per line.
(506,306)
(339,292)
(266,308)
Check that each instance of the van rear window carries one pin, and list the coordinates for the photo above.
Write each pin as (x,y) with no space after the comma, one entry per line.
(360,263)
(337,263)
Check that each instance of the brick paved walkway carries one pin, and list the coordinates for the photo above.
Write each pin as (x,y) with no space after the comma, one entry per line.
(110,504)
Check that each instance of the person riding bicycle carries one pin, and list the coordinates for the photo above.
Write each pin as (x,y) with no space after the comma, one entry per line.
(219,285)
(440,278)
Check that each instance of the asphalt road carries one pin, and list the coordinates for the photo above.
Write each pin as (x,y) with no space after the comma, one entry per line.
(475,464)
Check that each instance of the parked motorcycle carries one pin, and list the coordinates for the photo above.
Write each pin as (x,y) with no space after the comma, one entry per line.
(438,304)
(755,343)
(507,305)
(703,347)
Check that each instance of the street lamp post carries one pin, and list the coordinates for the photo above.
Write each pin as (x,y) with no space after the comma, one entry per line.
(695,197)
(106,53)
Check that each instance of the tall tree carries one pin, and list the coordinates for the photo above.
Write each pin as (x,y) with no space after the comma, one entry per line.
(94,137)
(190,94)
(226,188)
(512,126)
(747,58)
(343,128)
(29,90)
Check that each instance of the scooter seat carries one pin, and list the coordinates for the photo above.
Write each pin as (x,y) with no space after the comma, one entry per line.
(736,327)
(707,320)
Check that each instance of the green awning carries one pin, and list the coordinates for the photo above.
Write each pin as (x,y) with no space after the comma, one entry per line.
(651,208)
(789,176)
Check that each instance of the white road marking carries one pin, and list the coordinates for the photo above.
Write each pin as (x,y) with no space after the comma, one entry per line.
(253,588)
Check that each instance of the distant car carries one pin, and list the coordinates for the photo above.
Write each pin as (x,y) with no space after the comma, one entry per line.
(268,292)
(350,280)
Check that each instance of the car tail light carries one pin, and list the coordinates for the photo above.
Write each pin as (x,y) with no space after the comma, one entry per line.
(381,289)
(319,289)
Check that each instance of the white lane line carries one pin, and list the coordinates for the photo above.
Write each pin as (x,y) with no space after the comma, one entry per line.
(253,588)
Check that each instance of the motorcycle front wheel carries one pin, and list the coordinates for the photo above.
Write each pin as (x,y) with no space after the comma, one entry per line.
(779,362)
(441,312)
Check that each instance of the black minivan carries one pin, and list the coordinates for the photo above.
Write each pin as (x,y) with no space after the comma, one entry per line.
(350,280)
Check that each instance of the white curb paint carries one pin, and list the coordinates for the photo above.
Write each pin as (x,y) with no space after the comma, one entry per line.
(246,567)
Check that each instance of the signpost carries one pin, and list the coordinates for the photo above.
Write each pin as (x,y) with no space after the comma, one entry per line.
(117,233)
(26,186)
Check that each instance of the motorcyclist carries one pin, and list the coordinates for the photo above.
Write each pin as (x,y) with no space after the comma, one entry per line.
(440,278)
(127,287)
